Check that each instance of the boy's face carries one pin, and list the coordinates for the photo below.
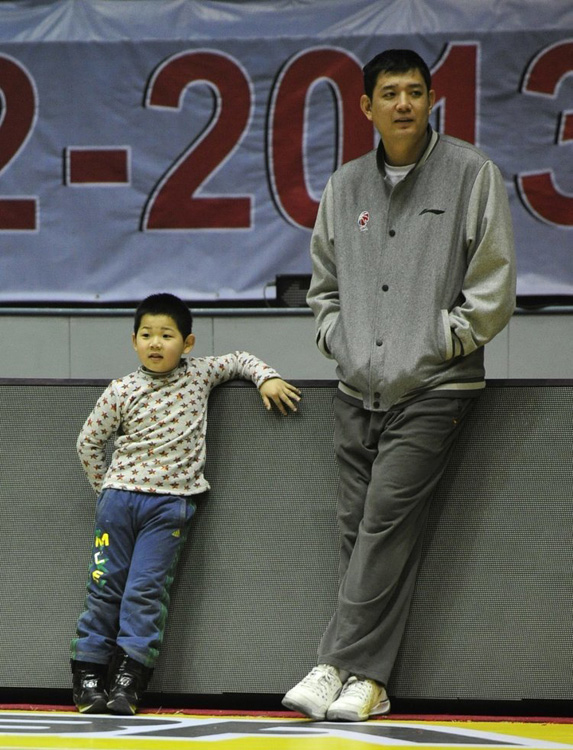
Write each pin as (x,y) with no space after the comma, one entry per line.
(159,343)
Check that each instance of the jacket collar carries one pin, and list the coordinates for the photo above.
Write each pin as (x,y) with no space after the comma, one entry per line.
(433,138)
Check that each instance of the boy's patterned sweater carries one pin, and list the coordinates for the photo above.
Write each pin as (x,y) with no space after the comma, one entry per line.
(160,423)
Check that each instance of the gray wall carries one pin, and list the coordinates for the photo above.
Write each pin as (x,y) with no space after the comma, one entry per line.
(256,586)
(61,344)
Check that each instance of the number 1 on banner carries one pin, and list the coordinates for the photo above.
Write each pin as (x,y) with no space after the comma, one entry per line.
(18,111)
(174,203)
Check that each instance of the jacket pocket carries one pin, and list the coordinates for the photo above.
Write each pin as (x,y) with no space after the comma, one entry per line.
(448,345)
(327,339)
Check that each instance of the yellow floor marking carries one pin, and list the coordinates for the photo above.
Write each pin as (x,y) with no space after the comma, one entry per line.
(61,730)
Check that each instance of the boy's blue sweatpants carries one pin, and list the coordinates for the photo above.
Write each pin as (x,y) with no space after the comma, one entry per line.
(138,540)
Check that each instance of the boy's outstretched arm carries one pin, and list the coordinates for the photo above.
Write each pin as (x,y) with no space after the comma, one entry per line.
(281,393)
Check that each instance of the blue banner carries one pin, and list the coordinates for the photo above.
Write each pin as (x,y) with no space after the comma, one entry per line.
(183,146)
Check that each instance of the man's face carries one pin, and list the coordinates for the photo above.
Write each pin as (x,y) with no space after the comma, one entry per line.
(400,107)
(159,344)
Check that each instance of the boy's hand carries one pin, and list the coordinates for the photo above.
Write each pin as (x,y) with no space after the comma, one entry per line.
(281,393)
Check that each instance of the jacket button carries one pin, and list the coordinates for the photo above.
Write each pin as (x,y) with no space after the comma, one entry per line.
(379,342)
(376,404)
(385,287)
(392,232)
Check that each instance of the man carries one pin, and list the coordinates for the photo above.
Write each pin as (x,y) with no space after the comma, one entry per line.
(413,272)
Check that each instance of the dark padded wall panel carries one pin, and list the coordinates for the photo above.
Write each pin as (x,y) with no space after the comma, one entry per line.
(257,582)
(493,613)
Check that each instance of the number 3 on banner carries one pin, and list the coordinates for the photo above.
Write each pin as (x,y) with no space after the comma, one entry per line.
(174,203)
(18,111)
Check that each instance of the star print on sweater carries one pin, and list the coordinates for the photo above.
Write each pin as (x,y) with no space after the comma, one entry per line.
(159,422)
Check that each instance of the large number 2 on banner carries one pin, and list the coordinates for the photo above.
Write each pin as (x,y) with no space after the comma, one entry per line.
(18,108)
(174,204)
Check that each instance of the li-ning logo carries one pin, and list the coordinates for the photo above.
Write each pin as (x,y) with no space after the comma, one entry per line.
(363,220)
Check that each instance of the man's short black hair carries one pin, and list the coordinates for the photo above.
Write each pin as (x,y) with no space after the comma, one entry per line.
(394,61)
(165,304)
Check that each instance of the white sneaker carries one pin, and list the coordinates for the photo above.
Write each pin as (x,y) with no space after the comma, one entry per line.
(314,693)
(359,700)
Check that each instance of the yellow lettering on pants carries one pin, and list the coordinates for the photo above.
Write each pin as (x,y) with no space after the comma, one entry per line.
(102,541)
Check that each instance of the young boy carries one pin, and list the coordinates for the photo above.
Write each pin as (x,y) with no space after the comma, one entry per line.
(146,496)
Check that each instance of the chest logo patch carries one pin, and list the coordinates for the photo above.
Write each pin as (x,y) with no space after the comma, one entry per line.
(363,220)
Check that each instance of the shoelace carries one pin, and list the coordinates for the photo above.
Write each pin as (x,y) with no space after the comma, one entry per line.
(321,680)
(363,689)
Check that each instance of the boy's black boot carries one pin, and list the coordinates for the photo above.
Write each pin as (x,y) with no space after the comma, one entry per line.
(88,686)
(127,686)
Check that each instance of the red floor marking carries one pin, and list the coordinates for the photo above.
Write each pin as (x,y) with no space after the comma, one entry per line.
(291,714)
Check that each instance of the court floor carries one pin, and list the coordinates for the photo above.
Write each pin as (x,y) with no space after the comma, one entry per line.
(43,729)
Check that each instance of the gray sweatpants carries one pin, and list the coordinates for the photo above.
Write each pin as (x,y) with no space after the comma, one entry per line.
(389,464)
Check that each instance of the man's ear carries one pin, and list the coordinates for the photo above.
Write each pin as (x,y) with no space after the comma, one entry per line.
(366,106)
(432,98)
(189,343)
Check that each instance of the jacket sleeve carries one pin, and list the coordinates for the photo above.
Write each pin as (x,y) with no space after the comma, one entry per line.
(490,281)
(323,295)
(98,428)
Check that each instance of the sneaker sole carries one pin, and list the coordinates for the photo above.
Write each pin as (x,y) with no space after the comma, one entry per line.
(347,714)
(294,706)
(99,706)
(121,706)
